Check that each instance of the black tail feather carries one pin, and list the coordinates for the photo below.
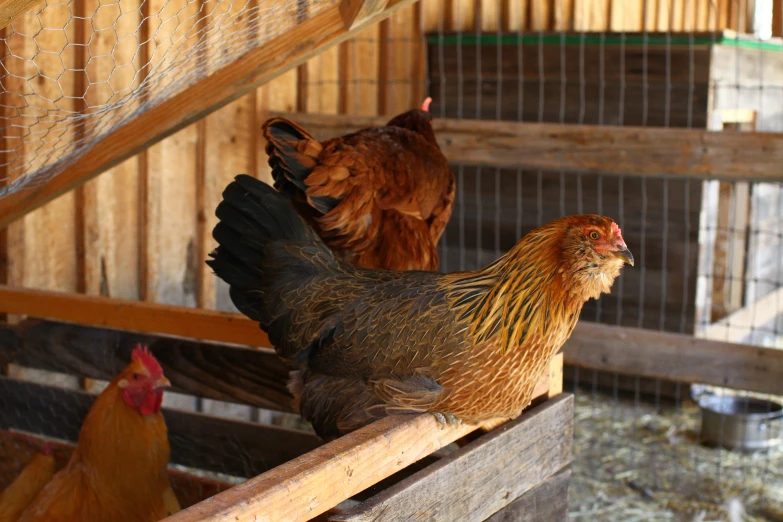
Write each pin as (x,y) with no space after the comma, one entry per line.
(255,221)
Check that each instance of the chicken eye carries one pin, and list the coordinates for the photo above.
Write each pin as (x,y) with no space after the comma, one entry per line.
(594,235)
(136,376)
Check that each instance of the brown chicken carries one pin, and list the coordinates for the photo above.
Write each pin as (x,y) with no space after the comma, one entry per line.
(380,197)
(16,497)
(118,470)
(467,347)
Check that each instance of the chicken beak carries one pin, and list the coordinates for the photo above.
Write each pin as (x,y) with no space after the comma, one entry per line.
(161,383)
(625,254)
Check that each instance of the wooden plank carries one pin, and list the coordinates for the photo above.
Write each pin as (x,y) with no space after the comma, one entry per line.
(203,97)
(777,17)
(625,385)
(540,15)
(11,9)
(627,16)
(133,315)
(675,357)
(38,257)
(307,486)
(357,12)
(111,203)
(215,371)
(547,501)
(590,148)
(513,460)
(738,326)
(229,134)
(226,446)
(728,270)
(563,15)
(359,67)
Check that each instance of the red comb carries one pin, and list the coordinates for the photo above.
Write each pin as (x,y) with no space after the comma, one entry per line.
(143,355)
(47,449)
(616,230)
(425,105)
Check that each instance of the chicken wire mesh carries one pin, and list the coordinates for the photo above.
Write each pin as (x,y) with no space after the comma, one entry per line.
(73,71)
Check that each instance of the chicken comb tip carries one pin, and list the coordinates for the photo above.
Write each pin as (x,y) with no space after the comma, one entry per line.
(616,230)
(143,355)
(425,105)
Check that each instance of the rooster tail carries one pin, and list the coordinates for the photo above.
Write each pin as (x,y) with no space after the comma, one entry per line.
(293,154)
(261,242)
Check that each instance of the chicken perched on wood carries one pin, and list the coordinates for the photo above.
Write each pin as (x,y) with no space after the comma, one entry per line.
(380,197)
(118,470)
(365,343)
(16,497)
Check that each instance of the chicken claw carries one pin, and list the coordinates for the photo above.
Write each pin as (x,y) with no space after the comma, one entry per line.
(446,419)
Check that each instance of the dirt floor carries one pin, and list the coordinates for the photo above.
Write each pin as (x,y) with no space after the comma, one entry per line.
(633,463)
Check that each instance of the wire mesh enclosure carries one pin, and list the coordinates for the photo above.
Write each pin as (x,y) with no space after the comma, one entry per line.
(708,249)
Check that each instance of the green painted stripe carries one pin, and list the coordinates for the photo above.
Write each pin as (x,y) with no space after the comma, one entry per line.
(593,38)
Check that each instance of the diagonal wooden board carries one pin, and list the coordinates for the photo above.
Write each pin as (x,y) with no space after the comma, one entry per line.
(10,9)
(276,56)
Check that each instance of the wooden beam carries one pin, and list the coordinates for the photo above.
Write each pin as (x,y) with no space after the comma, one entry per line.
(238,448)
(221,372)
(309,485)
(547,501)
(737,326)
(513,460)
(634,351)
(355,13)
(135,316)
(675,357)
(206,95)
(10,9)
(777,17)
(642,151)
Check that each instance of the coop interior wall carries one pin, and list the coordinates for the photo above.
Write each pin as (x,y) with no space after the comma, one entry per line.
(142,229)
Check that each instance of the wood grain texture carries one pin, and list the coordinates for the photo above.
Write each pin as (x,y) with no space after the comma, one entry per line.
(356,12)
(307,486)
(477,480)
(225,446)
(644,151)
(10,9)
(133,315)
(739,325)
(220,372)
(546,502)
(111,202)
(42,251)
(203,97)
(675,357)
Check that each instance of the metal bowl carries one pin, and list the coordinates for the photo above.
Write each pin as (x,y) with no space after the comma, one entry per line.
(740,423)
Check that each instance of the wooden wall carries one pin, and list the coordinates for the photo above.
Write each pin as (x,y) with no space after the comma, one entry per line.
(142,230)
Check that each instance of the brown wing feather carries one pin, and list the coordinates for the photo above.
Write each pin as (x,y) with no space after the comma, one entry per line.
(370,194)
